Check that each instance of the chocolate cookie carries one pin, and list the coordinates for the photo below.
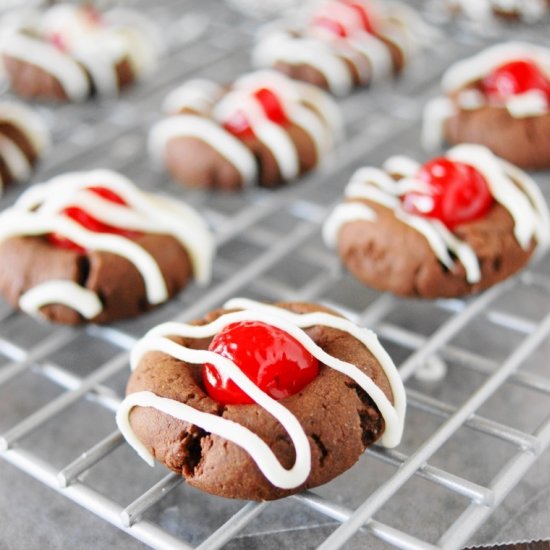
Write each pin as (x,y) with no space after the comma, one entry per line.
(23,139)
(499,98)
(342,44)
(264,129)
(454,226)
(287,397)
(527,11)
(90,246)
(69,52)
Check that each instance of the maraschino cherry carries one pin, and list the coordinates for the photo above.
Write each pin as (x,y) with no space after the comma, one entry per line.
(239,125)
(514,78)
(89,222)
(361,23)
(457,193)
(275,361)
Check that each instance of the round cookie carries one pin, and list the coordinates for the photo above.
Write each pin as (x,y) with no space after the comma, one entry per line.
(404,232)
(342,44)
(69,53)
(272,447)
(90,246)
(515,124)
(527,11)
(23,139)
(265,129)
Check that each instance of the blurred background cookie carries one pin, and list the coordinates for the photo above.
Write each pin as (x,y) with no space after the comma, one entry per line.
(264,129)
(451,227)
(72,52)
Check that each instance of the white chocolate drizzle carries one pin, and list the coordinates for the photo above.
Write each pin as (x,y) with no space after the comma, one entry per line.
(68,293)
(509,186)
(39,211)
(283,47)
(292,323)
(227,145)
(33,130)
(197,94)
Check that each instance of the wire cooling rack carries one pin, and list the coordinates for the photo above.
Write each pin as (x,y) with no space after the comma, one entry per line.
(470,437)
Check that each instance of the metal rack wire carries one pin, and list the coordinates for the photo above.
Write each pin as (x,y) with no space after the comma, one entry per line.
(465,449)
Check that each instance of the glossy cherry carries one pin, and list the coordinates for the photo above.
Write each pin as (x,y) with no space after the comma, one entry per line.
(457,193)
(272,107)
(514,78)
(89,222)
(275,361)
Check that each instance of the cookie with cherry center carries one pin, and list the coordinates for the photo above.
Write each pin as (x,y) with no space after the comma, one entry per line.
(341,44)
(92,247)
(526,11)
(264,129)
(499,98)
(70,52)
(258,401)
(453,226)
(24,137)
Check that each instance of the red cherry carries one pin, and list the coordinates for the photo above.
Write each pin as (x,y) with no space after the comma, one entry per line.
(458,193)
(58,41)
(330,25)
(275,361)
(514,78)
(89,222)
(362,12)
(238,124)
(271,105)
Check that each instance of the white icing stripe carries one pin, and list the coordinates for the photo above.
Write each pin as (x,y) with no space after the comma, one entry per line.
(471,99)
(67,293)
(70,75)
(146,212)
(342,215)
(102,70)
(305,51)
(144,39)
(293,324)
(401,166)
(194,126)
(196,94)
(323,104)
(229,430)
(376,52)
(502,188)
(531,103)
(436,113)
(28,122)
(18,164)
(16,223)
(273,136)
(533,192)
